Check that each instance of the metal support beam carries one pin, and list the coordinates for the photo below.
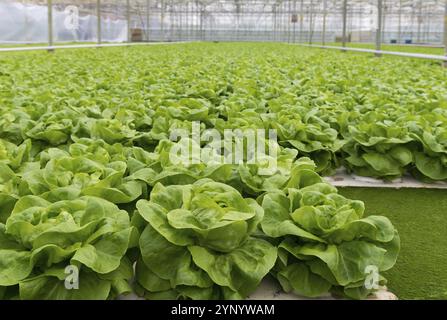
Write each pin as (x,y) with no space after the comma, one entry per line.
(399,36)
(238,19)
(171,20)
(162,20)
(98,16)
(289,22)
(294,24)
(129,35)
(202,29)
(50,23)
(345,16)
(274,22)
(324,21)
(301,21)
(379,27)
(384,7)
(445,32)
(147,20)
(311,29)
(419,22)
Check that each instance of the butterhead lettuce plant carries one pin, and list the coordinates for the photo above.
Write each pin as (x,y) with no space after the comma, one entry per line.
(41,239)
(199,243)
(326,245)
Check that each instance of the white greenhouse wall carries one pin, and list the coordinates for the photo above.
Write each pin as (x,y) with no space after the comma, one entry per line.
(29,24)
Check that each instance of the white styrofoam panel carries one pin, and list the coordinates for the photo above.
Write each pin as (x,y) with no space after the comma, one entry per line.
(343,179)
(269,289)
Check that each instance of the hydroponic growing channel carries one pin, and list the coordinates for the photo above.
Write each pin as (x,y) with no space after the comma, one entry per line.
(87,177)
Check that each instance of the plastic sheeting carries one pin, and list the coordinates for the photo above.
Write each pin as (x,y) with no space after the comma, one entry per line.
(29,24)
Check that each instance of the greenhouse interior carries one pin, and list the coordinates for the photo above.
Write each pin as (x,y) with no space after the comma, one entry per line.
(223,150)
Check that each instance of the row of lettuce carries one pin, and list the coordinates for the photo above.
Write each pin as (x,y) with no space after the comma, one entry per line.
(130,221)
(377,119)
(377,147)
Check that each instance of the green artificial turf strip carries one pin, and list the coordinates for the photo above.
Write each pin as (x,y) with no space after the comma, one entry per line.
(420,216)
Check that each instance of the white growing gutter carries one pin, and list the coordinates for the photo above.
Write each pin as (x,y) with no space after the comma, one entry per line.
(81,46)
(392,53)
(344,179)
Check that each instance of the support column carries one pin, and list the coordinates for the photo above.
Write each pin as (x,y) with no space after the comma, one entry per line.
(345,16)
(50,23)
(324,21)
(147,20)
(274,22)
(445,32)
(98,17)
(162,21)
(289,21)
(294,24)
(399,36)
(129,36)
(419,22)
(379,27)
(311,29)
(384,7)
(301,21)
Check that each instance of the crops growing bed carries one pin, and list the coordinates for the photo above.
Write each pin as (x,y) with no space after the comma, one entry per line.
(87,179)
